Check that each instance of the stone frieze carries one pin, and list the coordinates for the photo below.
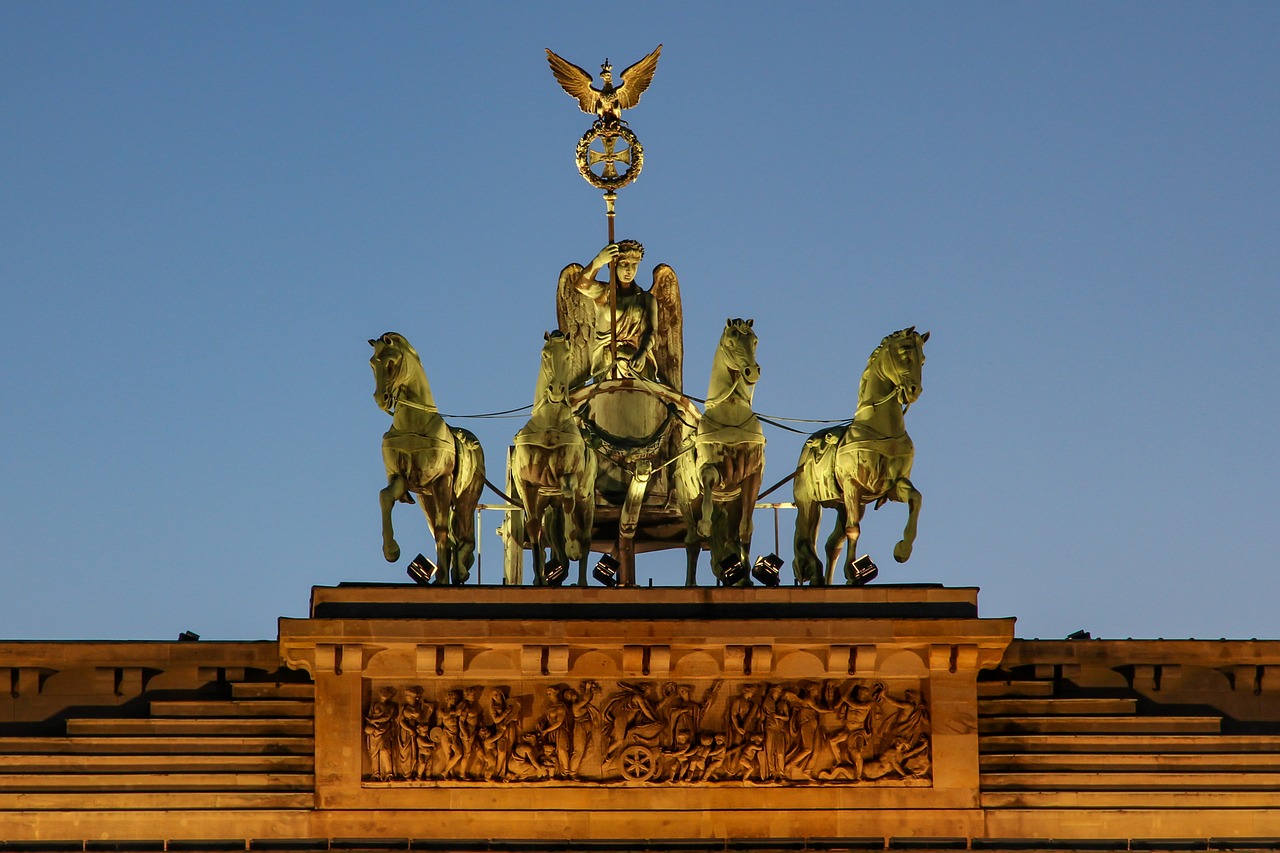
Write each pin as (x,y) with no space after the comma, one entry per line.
(646,732)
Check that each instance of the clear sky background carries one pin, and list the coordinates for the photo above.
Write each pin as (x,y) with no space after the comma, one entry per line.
(207,209)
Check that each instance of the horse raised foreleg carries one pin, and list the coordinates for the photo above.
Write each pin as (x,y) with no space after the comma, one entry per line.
(904,492)
(395,490)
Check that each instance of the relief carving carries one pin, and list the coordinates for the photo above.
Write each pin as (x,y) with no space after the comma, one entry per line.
(781,733)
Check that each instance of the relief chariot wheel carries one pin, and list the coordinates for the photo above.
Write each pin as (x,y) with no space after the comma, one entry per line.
(638,763)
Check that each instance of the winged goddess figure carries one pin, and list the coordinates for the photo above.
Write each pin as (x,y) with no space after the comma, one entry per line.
(607,102)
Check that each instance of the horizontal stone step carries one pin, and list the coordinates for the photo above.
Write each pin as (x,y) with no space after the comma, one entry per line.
(1099,725)
(272,690)
(153,800)
(1122,781)
(1097,800)
(1086,762)
(1065,707)
(190,726)
(142,782)
(233,708)
(992,744)
(44,762)
(988,689)
(208,745)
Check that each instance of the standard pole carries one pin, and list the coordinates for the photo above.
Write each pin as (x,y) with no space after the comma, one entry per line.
(610,198)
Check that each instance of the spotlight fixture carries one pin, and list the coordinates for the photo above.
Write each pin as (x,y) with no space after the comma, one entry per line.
(766,569)
(423,571)
(1080,635)
(188,637)
(864,571)
(555,572)
(733,571)
(606,571)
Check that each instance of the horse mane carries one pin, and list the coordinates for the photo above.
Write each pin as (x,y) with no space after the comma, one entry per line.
(875,353)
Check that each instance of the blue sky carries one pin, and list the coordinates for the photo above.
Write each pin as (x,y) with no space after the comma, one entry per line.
(209,208)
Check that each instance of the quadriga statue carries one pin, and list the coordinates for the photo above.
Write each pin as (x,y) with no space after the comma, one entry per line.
(846,468)
(443,466)
(719,481)
(553,470)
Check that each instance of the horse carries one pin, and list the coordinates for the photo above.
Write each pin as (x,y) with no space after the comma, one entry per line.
(553,470)
(847,467)
(718,481)
(443,466)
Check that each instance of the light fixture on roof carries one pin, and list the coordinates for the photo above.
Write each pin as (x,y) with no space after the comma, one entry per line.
(864,571)
(423,571)
(606,571)
(766,569)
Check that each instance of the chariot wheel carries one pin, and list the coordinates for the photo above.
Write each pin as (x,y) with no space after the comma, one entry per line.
(638,763)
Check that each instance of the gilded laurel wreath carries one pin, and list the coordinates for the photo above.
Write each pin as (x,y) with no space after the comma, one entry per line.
(630,153)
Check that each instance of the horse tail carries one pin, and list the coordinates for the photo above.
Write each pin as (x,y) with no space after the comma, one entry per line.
(468,483)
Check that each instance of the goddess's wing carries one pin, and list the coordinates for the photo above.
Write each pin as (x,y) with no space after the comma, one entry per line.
(668,344)
(576,317)
(576,81)
(636,79)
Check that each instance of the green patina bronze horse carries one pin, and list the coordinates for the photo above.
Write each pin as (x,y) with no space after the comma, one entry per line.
(718,482)
(553,470)
(870,460)
(444,467)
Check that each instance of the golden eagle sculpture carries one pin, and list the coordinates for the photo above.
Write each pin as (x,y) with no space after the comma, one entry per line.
(607,102)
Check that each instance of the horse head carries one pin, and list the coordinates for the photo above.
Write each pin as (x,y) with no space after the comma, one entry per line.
(553,374)
(389,373)
(900,361)
(738,348)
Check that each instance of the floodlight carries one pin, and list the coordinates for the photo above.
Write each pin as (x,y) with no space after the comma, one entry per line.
(733,571)
(864,571)
(766,569)
(1080,635)
(555,572)
(606,571)
(188,637)
(423,571)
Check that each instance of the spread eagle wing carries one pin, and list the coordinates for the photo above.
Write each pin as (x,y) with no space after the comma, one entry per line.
(576,317)
(668,345)
(635,80)
(577,82)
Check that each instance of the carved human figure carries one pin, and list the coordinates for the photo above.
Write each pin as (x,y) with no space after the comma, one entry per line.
(746,757)
(683,714)
(775,714)
(716,757)
(849,743)
(378,723)
(425,746)
(805,728)
(469,715)
(743,716)
(505,714)
(633,717)
(676,757)
(555,728)
(585,717)
(448,735)
(405,741)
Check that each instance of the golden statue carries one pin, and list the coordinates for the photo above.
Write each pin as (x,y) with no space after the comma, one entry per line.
(423,455)
(607,102)
(848,467)
(640,336)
